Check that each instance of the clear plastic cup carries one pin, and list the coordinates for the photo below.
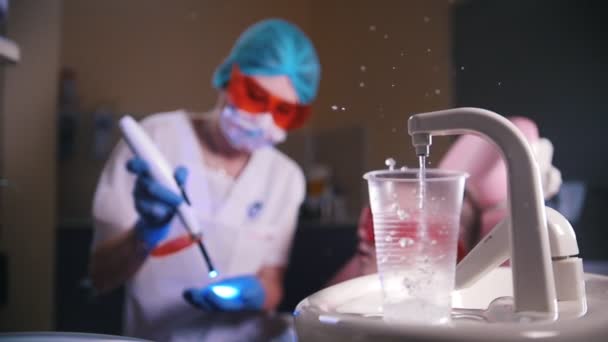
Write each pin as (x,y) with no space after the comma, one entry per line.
(416,234)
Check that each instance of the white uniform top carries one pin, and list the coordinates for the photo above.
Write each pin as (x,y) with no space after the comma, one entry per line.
(252,227)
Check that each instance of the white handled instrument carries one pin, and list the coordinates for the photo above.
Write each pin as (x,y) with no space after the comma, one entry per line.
(141,145)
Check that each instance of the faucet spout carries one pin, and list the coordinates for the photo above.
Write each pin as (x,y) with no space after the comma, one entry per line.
(422,143)
(533,281)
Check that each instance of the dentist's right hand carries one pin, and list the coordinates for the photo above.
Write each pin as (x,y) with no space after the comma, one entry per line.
(155,203)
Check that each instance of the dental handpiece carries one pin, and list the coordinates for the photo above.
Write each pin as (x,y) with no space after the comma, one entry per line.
(141,145)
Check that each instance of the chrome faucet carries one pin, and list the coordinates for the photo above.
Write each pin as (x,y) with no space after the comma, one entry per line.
(534,287)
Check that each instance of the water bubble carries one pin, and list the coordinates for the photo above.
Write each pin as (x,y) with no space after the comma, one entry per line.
(425,260)
(404,242)
(361,84)
(363,68)
(394,67)
(386,36)
(462,67)
(343,108)
(437,91)
(499,83)
(427,19)
(428,50)
(402,214)
(393,85)
(372,28)
(390,162)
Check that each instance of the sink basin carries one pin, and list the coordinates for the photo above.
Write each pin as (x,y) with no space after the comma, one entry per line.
(352,311)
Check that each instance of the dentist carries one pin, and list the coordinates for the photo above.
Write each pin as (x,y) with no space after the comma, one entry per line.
(245,192)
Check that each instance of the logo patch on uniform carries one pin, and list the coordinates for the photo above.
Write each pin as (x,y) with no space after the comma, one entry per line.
(254,209)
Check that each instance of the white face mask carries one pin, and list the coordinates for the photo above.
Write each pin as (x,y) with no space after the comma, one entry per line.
(249,132)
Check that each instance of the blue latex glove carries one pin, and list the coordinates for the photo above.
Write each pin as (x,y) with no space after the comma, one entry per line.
(244,293)
(155,204)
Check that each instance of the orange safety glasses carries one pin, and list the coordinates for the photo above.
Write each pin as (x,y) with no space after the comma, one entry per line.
(246,94)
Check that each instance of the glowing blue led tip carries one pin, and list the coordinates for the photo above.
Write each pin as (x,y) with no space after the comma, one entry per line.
(213,274)
(224,291)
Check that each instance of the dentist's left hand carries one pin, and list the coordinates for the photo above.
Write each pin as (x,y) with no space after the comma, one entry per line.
(243,293)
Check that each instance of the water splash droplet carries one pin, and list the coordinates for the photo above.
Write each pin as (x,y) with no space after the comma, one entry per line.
(386,36)
(372,28)
(402,53)
(404,168)
(394,67)
(193,15)
(499,84)
(427,19)
(437,91)
(390,162)
(394,130)
(405,242)
(343,109)
(361,84)
(388,238)
(428,50)
(363,68)
(334,107)
(462,67)
(393,85)
(433,242)
(443,198)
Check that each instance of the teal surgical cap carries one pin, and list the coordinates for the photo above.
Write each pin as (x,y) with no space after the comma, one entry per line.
(274,47)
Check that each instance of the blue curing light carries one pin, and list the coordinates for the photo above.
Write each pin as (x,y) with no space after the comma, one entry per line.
(213,274)
(225,292)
